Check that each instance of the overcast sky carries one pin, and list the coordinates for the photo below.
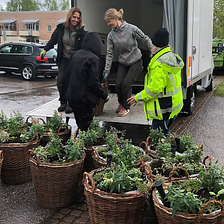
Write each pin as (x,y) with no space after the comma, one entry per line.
(3,4)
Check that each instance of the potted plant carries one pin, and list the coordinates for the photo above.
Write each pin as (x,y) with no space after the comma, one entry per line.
(195,200)
(122,152)
(116,195)
(57,125)
(16,138)
(56,171)
(94,136)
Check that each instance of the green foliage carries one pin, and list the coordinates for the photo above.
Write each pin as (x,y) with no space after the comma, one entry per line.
(120,180)
(219,91)
(15,125)
(183,201)
(53,5)
(55,152)
(74,150)
(213,178)
(4,136)
(218,19)
(89,137)
(163,148)
(55,123)
(95,125)
(32,130)
(156,136)
(186,142)
(23,5)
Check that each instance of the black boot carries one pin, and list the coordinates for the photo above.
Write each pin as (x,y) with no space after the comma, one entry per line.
(62,108)
(68,109)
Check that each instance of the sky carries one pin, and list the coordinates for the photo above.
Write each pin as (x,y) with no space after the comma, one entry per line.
(3,4)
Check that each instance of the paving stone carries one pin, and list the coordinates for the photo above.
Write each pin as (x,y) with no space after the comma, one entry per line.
(58,216)
(65,211)
(83,207)
(82,221)
(69,218)
(76,212)
(85,214)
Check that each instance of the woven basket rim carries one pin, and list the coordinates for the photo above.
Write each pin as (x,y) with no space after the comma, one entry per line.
(42,164)
(104,194)
(47,133)
(22,144)
(182,214)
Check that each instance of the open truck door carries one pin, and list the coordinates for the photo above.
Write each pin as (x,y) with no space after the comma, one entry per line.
(190,23)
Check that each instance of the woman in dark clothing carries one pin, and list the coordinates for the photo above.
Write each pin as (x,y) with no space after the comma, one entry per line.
(82,80)
(69,36)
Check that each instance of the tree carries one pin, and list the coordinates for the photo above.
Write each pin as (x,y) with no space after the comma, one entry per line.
(23,5)
(218,19)
(54,5)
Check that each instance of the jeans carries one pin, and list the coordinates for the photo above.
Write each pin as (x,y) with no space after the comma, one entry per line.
(125,78)
(163,124)
(62,67)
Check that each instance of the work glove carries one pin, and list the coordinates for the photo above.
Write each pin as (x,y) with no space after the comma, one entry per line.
(105,75)
(42,54)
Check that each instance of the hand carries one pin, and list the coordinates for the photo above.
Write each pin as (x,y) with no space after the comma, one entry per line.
(105,75)
(42,54)
(132,101)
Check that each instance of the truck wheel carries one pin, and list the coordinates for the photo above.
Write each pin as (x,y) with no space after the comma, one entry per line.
(209,87)
(190,101)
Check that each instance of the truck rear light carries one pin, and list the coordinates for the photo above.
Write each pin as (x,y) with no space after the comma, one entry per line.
(39,59)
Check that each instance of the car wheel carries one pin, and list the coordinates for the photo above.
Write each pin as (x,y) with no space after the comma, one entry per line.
(189,103)
(28,72)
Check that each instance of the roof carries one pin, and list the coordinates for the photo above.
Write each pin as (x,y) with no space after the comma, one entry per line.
(61,20)
(8,21)
(30,20)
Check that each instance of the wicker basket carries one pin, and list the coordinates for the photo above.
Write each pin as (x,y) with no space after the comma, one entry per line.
(145,145)
(15,166)
(99,108)
(164,214)
(109,208)
(1,159)
(64,135)
(89,164)
(55,184)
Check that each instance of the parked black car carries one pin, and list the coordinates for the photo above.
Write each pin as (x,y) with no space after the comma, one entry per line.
(24,58)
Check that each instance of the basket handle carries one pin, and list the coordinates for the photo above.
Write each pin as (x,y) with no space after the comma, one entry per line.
(210,160)
(148,173)
(149,140)
(200,212)
(41,120)
(27,119)
(147,143)
(30,153)
(38,133)
(85,175)
(97,154)
(64,125)
(76,133)
(178,168)
(1,155)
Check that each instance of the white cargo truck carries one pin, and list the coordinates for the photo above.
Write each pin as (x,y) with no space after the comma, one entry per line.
(190,23)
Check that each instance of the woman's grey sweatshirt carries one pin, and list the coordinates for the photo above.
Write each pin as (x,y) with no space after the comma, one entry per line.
(124,38)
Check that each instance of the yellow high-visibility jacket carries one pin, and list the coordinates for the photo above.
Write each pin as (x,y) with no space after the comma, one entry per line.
(162,94)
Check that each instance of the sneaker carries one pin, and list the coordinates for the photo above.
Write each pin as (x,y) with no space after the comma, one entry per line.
(68,109)
(119,108)
(123,112)
(62,108)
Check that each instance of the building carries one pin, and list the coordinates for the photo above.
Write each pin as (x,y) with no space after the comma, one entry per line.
(29,26)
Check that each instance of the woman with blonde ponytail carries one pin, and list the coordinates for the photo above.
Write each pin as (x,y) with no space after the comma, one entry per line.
(124,37)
